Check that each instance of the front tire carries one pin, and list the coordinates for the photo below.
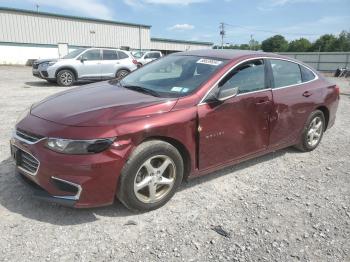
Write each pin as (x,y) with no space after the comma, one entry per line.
(151,176)
(313,131)
(65,77)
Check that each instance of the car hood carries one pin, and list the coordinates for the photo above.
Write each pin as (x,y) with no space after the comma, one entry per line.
(100,104)
(39,61)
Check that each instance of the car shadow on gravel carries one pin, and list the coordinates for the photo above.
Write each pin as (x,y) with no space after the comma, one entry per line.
(17,197)
(230,169)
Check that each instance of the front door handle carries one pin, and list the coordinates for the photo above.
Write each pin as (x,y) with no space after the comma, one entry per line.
(262,101)
(307,94)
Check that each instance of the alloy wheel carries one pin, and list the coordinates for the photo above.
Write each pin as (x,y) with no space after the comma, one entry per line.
(66,78)
(154,179)
(314,132)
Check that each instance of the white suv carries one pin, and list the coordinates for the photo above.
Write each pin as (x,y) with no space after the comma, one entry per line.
(146,57)
(85,64)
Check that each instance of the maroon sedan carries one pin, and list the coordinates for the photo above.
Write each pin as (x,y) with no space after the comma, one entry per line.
(184,115)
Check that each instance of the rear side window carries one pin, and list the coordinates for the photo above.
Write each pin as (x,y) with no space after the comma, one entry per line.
(154,55)
(122,55)
(306,74)
(248,77)
(110,55)
(285,73)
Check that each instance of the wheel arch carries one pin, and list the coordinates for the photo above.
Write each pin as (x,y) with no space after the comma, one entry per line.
(184,152)
(67,68)
(325,112)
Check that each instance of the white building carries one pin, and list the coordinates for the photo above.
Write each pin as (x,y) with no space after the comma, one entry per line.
(28,35)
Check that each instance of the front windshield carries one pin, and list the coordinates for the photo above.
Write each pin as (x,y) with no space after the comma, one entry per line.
(174,75)
(74,53)
(138,54)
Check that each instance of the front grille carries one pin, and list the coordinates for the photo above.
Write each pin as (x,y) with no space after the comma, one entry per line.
(44,73)
(35,66)
(26,162)
(30,137)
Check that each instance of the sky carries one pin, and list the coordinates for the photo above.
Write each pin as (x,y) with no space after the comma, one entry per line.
(199,20)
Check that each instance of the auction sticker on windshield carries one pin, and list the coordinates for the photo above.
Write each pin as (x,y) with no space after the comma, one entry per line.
(179,89)
(209,62)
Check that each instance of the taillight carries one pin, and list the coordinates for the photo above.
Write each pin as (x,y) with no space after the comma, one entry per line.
(337,90)
(134,61)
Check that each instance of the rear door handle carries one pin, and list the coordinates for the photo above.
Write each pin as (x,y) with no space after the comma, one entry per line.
(307,94)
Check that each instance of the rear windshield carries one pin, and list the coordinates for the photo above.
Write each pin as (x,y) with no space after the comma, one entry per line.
(138,54)
(174,75)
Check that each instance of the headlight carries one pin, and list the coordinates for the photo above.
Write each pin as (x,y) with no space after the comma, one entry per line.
(78,147)
(46,64)
(23,114)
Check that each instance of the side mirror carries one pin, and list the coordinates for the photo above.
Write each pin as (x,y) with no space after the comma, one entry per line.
(226,92)
(82,59)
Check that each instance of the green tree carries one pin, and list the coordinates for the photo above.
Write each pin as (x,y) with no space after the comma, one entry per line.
(325,43)
(275,43)
(299,45)
(342,43)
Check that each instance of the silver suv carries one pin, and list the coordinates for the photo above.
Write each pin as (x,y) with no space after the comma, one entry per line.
(85,64)
(146,57)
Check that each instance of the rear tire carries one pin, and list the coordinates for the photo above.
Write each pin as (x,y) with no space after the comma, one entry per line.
(155,166)
(313,132)
(65,78)
(121,73)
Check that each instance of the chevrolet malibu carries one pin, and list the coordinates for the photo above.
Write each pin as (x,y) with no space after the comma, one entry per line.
(184,115)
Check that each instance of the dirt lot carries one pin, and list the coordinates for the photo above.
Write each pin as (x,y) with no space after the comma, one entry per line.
(285,206)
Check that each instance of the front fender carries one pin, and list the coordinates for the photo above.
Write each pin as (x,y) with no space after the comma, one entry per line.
(180,126)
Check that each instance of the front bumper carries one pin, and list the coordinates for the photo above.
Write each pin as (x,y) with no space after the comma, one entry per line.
(41,194)
(71,180)
(44,72)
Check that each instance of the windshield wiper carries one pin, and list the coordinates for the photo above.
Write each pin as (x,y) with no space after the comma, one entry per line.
(141,90)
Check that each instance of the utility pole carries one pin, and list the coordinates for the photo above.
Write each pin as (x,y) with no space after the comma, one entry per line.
(251,42)
(37,8)
(140,40)
(222,33)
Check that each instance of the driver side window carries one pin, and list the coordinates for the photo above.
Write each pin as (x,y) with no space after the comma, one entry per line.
(247,77)
(91,55)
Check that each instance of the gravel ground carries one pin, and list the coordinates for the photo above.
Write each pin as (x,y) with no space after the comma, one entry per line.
(285,206)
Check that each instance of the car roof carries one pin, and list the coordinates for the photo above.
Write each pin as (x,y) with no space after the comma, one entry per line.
(229,54)
(106,48)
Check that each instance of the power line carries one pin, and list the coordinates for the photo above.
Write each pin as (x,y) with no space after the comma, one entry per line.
(269,31)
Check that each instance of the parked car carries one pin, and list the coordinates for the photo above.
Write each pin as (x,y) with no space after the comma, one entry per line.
(182,116)
(85,64)
(143,58)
